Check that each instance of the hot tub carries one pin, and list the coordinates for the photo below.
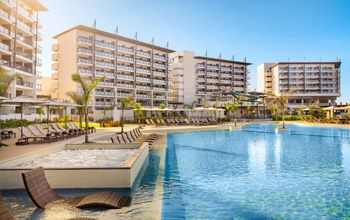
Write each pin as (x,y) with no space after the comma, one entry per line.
(81,166)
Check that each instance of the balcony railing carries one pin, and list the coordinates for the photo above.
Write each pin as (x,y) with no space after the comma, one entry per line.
(24,83)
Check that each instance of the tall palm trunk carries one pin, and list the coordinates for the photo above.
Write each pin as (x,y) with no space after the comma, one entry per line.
(86,125)
(122,121)
(283,124)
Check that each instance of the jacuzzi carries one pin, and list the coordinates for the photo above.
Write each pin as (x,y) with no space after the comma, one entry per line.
(93,165)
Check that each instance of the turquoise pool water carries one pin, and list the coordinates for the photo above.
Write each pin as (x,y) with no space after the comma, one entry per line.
(258,173)
(253,173)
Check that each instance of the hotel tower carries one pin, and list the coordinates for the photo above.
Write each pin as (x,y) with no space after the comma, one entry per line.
(206,79)
(303,82)
(19,43)
(130,67)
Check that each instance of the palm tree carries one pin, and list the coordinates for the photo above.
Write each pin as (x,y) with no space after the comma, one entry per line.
(138,111)
(215,106)
(6,81)
(312,107)
(125,103)
(108,108)
(78,99)
(191,106)
(232,107)
(88,87)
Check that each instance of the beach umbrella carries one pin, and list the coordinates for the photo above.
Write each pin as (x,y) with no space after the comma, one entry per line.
(22,101)
(51,103)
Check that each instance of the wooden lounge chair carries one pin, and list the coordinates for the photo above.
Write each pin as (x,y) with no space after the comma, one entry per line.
(131,135)
(35,131)
(71,132)
(78,129)
(139,135)
(28,135)
(5,213)
(91,128)
(42,194)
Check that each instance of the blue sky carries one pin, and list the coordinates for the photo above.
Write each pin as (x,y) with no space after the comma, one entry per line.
(262,31)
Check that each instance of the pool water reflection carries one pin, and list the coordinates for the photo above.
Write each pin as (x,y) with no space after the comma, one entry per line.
(258,173)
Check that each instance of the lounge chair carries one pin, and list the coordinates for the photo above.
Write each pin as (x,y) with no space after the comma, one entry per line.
(71,132)
(42,194)
(34,130)
(5,213)
(139,135)
(71,126)
(27,135)
(134,138)
(62,134)
(152,122)
(92,129)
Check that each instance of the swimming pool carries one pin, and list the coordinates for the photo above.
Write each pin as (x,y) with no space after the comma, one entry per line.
(258,173)
(253,173)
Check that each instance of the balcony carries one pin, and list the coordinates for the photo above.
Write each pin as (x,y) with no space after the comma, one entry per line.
(139,87)
(101,103)
(5,48)
(104,93)
(24,69)
(159,57)
(143,53)
(143,79)
(25,28)
(106,84)
(24,56)
(24,84)
(83,39)
(4,63)
(142,62)
(84,71)
(125,49)
(123,85)
(104,54)
(5,32)
(84,50)
(104,44)
(159,65)
(126,59)
(143,96)
(125,77)
(84,60)
(105,64)
(144,71)
(122,94)
(125,68)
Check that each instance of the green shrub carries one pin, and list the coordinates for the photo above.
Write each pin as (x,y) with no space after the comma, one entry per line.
(287,118)
(13,123)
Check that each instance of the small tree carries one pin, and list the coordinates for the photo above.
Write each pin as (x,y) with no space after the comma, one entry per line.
(88,87)
(108,108)
(79,100)
(125,103)
(6,80)
(139,112)
(232,107)
(40,112)
(216,104)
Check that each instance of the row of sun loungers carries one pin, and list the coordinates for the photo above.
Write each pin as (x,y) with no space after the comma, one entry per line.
(181,121)
(133,136)
(43,133)
(43,196)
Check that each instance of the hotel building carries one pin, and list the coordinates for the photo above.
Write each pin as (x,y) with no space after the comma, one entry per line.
(19,43)
(206,79)
(130,67)
(303,82)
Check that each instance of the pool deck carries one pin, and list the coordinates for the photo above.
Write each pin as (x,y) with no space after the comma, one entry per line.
(12,151)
